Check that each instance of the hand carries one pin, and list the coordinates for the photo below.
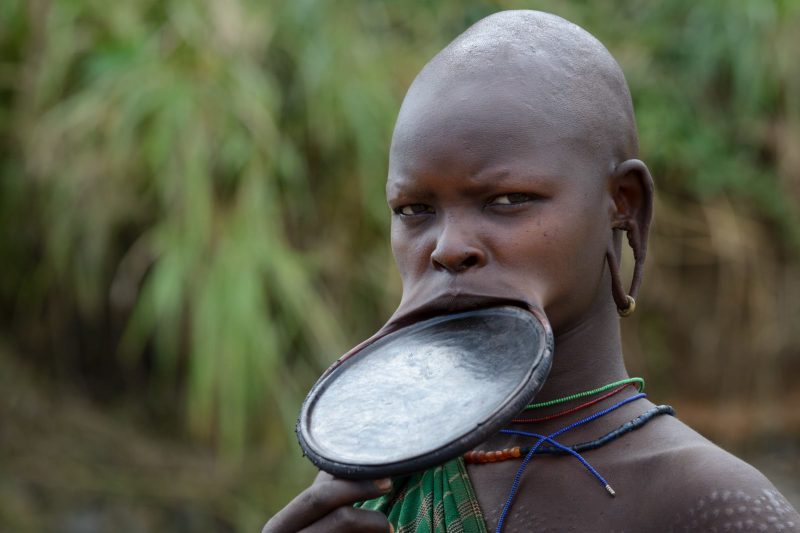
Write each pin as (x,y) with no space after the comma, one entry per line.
(327,506)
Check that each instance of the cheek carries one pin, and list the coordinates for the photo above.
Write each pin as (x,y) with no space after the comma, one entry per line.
(584,241)
(409,254)
(574,247)
(399,251)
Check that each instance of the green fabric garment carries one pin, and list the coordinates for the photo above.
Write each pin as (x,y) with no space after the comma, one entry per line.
(439,500)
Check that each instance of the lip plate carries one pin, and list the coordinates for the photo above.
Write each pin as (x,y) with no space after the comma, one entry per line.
(324,442)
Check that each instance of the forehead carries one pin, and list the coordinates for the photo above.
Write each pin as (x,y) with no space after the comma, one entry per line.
(488,125)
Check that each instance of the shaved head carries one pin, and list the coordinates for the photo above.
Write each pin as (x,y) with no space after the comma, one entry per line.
(529,70)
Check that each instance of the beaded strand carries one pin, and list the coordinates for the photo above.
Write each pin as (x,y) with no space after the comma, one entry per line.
(543,438)
(482,457)
(546,444)
(639,382)
(571,410)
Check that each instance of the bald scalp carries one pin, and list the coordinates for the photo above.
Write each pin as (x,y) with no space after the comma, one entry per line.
(564,78)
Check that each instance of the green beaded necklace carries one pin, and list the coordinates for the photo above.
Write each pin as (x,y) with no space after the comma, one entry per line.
(639,384)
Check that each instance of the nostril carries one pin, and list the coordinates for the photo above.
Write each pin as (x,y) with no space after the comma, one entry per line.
(469,262)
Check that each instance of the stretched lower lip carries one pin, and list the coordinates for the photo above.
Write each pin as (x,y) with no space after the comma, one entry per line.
(453,302)
(446,303)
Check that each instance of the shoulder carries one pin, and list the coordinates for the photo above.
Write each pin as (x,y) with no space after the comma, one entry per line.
(704,488)
(720,492)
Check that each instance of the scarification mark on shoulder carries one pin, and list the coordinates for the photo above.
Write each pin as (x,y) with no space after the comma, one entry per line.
(727,510)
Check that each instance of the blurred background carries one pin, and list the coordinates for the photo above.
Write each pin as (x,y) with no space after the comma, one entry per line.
(192,227)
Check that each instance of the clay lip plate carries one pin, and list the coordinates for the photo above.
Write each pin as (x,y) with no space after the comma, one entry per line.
(426,393)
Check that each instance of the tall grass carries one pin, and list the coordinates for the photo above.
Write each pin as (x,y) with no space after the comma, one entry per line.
(211,172)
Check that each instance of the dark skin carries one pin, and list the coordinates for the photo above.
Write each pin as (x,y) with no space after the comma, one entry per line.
(511,186)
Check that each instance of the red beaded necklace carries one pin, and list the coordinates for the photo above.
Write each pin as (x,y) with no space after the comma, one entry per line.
(571,410)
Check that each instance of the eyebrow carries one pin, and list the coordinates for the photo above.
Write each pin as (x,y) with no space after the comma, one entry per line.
(503,175)
(504,178)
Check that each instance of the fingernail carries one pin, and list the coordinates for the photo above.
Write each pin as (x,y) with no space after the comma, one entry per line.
(391,528)
(384,484)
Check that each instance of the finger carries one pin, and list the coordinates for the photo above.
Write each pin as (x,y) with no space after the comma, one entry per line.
(321,498)
(323,476)
(351,520)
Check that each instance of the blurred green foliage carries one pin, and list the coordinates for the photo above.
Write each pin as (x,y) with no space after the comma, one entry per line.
(191,191)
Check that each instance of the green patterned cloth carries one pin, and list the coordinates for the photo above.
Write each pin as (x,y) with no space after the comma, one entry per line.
(439,500)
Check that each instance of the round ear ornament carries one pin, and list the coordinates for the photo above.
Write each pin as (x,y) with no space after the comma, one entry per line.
(629,309)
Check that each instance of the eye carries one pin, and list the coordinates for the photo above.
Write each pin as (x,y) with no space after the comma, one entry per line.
(413,209)
(512,198)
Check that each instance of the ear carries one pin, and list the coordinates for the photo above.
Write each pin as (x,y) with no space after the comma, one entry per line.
(631,189)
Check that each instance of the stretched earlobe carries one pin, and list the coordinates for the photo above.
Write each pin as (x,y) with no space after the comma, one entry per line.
(632,192)
(626,302)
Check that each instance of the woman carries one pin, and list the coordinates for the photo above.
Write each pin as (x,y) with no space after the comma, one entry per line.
(513,174)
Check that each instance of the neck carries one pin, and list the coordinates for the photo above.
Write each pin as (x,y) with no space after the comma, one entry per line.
(587,355)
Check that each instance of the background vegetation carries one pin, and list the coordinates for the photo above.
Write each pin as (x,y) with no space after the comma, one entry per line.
(192,226)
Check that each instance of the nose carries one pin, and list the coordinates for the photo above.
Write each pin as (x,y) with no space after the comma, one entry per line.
(457,251)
